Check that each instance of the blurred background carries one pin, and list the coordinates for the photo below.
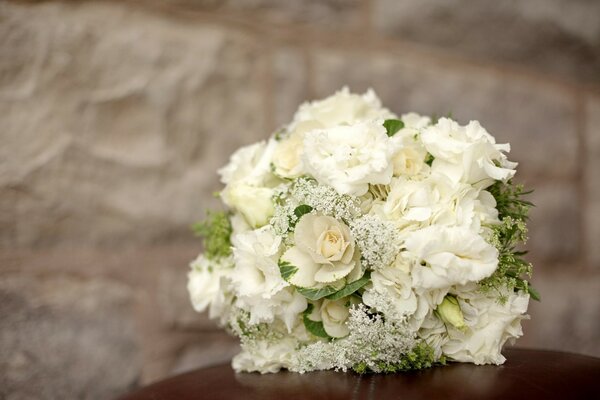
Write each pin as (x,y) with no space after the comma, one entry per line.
(115,115)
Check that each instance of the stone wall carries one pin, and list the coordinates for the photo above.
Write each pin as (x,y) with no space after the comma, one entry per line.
(115,116)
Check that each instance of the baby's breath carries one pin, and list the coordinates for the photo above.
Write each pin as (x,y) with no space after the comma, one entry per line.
(377,240)
(374,344)
(325,199)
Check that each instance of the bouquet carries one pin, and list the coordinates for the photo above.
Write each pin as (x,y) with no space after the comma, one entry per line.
(355,239)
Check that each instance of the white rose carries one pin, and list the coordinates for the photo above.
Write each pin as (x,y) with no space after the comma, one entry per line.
(489,324)
(342,108)
(467,153)
(254,203)
(446,256)
(324,253)
(349,158)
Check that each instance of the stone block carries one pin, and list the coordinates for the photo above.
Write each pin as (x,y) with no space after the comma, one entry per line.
(555,225)
(538,119)
(66,338)
(290,83)
(559,37)
(115,120)
(327,14)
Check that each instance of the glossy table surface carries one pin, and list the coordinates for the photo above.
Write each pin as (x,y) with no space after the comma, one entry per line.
(527,374)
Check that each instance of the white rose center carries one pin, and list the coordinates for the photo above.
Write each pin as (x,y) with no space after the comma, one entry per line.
(331,244)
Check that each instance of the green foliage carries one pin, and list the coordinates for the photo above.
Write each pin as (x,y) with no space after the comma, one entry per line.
(351,287)
(420,357)
(509,200)
(301,210)
(392,126)
(429,159)
(216,230)
(317,293)
(513,270)
(314,327)
(287,270)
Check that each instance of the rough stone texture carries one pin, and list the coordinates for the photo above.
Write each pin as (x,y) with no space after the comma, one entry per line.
(592,182)
(61,335)
(325,14)
(116,115)
(527,114)
(290,83)
(560,37)
(554,227)
(121,118)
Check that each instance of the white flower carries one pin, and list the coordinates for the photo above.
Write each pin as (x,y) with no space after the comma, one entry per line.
(416,200)
(489,324)
(288,153)
(286,305)
(325,252)
(342,108)
(467,153)
(250,164)
(395,283)
(208,285)
(254,203)
(349,158)
(256,272)
(446,256)
(266,356)
(249,182)
(409,158)
(334,314)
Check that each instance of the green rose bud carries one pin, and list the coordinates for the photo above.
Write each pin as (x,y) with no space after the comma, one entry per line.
(449,311)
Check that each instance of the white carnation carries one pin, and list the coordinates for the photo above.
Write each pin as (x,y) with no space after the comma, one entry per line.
(467,153)
(489,325)
(349,158)
(446,256)
(208,285)
(250,164)
(342,108)
(256,273)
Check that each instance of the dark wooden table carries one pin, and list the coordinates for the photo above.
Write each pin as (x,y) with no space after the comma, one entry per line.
(528,374)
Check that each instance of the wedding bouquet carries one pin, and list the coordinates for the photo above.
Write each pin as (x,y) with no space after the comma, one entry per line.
(357,239)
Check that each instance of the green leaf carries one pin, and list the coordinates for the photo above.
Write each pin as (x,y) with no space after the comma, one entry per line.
(392,126)
(429,159)
(316,294)
(301,210)
(351,287)
(534,293)
(314,327)
(287,270)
